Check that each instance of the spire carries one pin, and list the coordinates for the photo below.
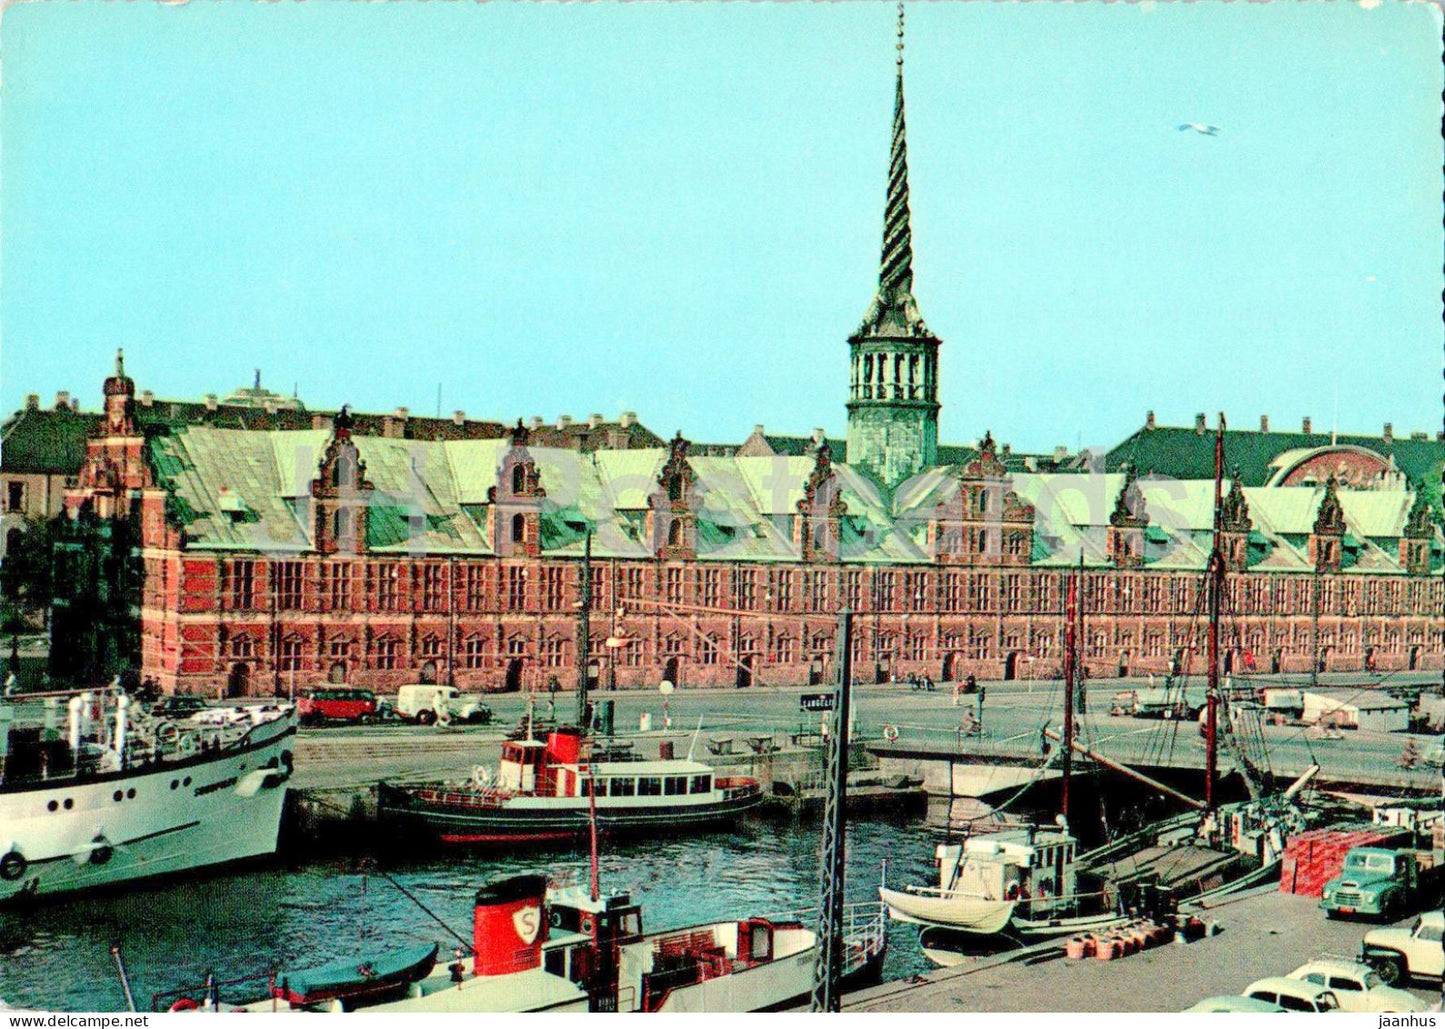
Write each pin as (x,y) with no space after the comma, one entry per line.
(894,309)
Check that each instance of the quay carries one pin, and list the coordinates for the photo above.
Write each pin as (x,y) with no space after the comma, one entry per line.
(1259,934)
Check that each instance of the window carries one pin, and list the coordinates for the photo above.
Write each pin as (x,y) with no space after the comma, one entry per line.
(472,651)
(516,588)
(291,651)
(853,590)
(708,650)
(242,646)
(336,587)
(554,652)
(747,580)
(388,650)
(649,786)
(552,588)
(14,495)
(431,647)
(701,784)
(672,586)
(782,599)
(711,593)
(674,785)
(288,596)
(433,588)
(384,586)
(1338,982)
(623,787)
(340,650)
(474,587)
(519,528)
(519,482)
(242,575)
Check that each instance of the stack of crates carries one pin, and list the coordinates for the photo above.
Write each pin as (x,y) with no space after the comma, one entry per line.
(1313,858)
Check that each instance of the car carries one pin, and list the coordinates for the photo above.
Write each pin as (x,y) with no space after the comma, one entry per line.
(424,703)
(1357,986)
(1400,954)
(331,703)
(220,716)
(178,705)
(1232,1003)
(1293,994)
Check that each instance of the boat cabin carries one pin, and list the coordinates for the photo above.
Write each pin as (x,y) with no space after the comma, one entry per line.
(1025,864)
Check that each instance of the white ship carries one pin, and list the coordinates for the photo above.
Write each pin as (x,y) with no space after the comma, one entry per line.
(116,795)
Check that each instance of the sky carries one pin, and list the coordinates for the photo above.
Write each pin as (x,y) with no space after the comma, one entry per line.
(676,209)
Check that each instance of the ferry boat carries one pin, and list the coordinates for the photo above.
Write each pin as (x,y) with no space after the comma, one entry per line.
(541,793)
(536,948)
(119,796)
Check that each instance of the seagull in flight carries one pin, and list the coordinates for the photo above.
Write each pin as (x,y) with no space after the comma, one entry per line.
(1199,127)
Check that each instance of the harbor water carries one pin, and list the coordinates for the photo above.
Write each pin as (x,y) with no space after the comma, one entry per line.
(57,956)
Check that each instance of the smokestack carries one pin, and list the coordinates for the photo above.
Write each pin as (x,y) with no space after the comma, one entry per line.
(595,421)
(536,422)
(628,419)
(62,399)
(1199,424)
(32,401)
(147,398)
(1264,423)
(564,421)
(211,401)
(1149,420)
(459,417)
(1305,425)
(1389,432)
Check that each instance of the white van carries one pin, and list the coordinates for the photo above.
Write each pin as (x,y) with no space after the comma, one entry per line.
(424,703)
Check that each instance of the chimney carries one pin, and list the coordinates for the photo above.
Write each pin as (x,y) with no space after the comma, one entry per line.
(564,421)
(211,401)
(1061,454)
(32,401)
(1419,435)
(1149,420)
(1007,449)
(594,421)
(1389,432)
(628,419)
(757,430)
(402,414)
(270,406)
(1305,425)
(62,398)
(75,403)
(819,435)
(1264,423)
(147,398)
(1199,424)
(536,422)
(459,417)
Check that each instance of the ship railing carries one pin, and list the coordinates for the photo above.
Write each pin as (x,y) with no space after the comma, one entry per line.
(865,922)
(480,796)
(203,993)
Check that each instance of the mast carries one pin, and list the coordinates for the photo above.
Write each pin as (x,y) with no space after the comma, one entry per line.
(1070,606)
(1216,590)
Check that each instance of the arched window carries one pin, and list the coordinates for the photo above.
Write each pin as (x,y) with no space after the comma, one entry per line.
(519,479)
(674,533)
(519,528)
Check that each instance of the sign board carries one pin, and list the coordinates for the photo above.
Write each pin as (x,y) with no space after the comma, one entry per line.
(816,702)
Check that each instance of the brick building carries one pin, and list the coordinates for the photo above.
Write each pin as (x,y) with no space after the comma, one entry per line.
(377,552)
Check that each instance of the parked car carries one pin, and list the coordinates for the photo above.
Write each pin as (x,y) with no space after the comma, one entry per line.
(221,716)
(1231,1003)
(178,705)
(425,703)
(1357,986)
(1400,954)
(318,704)
(1293,994)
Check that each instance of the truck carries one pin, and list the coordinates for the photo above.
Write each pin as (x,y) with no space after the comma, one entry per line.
(1377,882)
(1400,954)
(425,703)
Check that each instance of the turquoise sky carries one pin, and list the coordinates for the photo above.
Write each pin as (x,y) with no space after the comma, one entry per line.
(676,208)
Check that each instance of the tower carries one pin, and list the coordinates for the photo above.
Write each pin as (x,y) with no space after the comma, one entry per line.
(893,393)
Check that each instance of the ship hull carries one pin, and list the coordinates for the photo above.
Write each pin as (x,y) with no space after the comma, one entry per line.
(172,817)
(452,818)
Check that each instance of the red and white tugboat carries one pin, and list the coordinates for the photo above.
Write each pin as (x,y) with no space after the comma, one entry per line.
(541,792)
(541,949)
